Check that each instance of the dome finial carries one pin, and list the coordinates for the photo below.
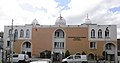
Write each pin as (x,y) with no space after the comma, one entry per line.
(60,16)
(60,21)
(87,16)
(87,20)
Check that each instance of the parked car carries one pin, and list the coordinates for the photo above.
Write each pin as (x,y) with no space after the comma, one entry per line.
(75,59)
(42,61)
(20,58)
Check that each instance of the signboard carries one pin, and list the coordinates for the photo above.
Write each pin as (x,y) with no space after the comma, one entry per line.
(76,38)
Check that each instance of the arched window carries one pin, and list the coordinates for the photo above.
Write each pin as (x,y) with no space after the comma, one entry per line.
(10,32)
(91,56)
(109,46)
(59,33)
(107,32)
(26,48)
(21,33)
(28,45)
(99,33)
(92,33)
(27,33)
(16,33)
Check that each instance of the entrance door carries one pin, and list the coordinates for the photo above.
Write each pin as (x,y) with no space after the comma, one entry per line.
(56,57)
(26,48)
(29,54)
(112,57)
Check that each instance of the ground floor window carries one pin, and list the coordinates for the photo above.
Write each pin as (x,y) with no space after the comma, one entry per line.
(93,45)
(91,56)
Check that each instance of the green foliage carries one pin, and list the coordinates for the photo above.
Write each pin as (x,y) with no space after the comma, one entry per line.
(83,53)
(78,53)
(67,53)
(45,54)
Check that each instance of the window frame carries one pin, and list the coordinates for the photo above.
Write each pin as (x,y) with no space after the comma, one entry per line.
(58,45)
(59,33)
(93,45)
(107,33)
(21,33)
(92,33)
(16,33)
(27,33)
(99,33)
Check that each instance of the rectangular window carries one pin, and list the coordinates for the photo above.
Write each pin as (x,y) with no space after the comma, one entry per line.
(118,53)
(58,45)
(118,47)
(93,45)
(8,43)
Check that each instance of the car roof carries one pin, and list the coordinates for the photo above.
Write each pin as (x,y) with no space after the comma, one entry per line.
(40,61)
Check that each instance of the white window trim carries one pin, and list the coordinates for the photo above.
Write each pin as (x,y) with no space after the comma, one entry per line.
(93,47)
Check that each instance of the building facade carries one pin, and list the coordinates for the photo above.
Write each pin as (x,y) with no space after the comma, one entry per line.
(92,39)
(118,45)
(1,46)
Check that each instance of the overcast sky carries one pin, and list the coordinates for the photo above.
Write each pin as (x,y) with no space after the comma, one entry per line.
(101,12)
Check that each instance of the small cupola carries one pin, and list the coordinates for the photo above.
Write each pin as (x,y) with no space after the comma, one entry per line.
(35,22)
(87,20)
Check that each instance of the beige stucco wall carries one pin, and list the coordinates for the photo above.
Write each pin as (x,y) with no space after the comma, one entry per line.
(42,39)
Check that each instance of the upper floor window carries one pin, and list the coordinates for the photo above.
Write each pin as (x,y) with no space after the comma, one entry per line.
(118,47)
(21,33)
(27,33)
(99,33)
(107,32)
(58,45)
(92,33)
(59,33)
(93,45)
(16,33)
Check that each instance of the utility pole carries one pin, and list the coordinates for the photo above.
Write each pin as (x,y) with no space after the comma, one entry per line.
(11,42)
(105,50)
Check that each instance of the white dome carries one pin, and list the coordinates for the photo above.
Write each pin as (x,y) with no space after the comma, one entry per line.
(60,21)
(87,20)
(35,22)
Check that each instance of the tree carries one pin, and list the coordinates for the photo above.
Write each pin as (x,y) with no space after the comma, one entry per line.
(78,53)
(83,53)
(67,53)
(45,54)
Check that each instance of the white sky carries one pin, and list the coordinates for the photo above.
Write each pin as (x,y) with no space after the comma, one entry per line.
(47,11)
